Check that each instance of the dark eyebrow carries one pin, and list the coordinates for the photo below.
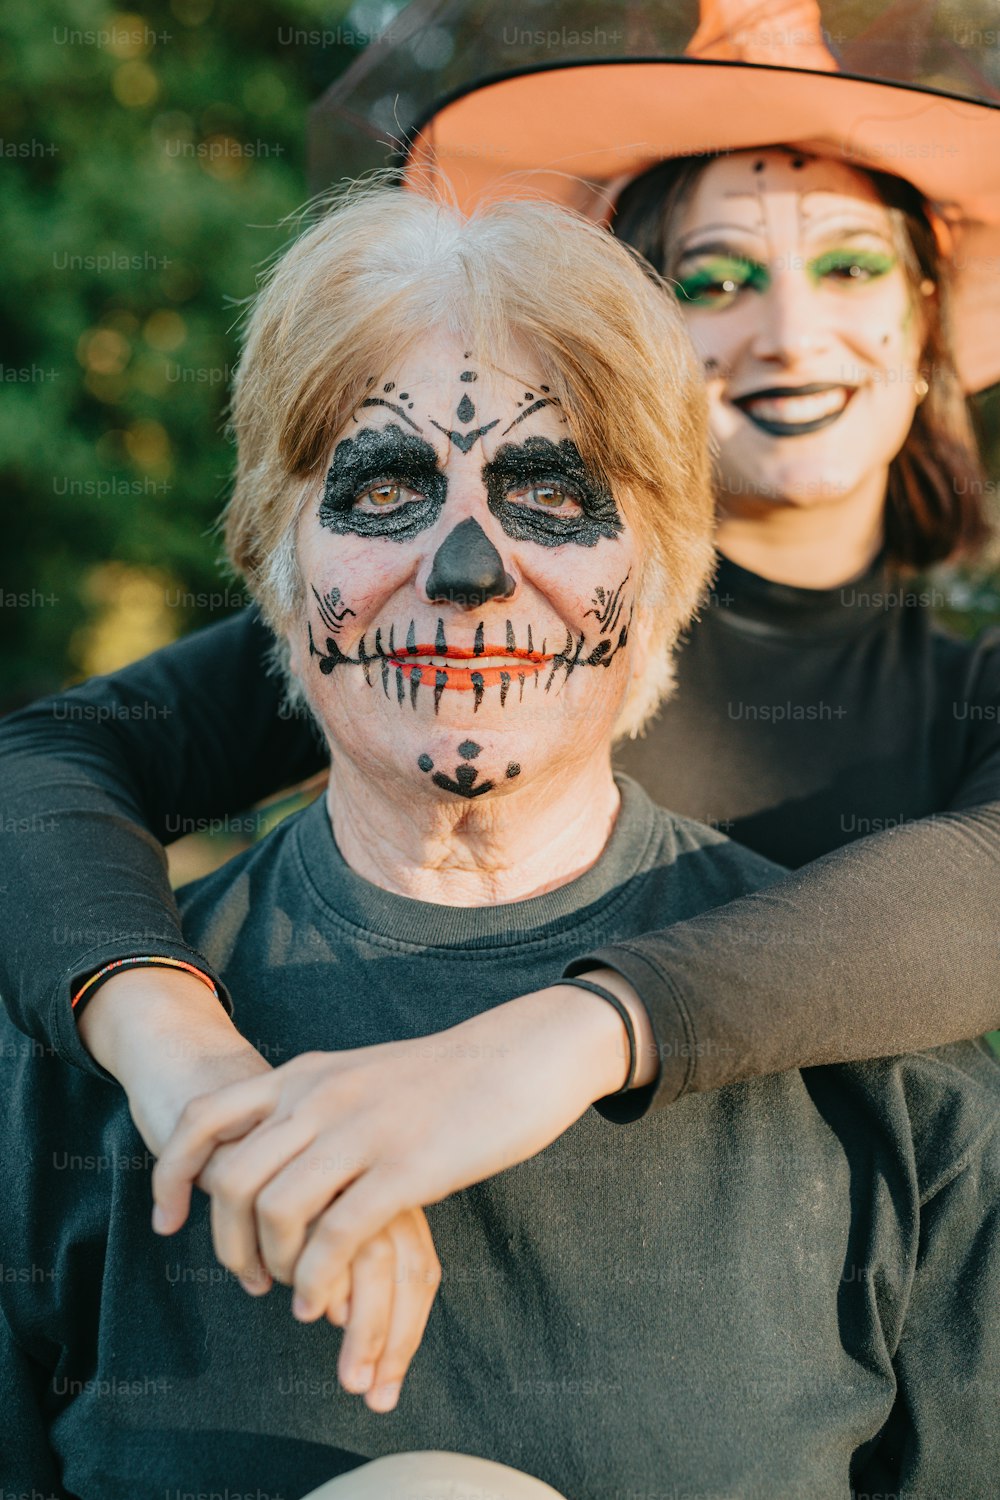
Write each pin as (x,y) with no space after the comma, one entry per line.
(712,247)
(856,231)
(530,411)
(535,456)
(377,453)
(752,229)
(380,401)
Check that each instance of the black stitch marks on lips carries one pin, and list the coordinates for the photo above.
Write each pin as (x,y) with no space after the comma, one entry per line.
(410,664)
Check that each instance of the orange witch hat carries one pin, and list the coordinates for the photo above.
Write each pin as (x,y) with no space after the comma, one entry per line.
(481,106)
(786,34)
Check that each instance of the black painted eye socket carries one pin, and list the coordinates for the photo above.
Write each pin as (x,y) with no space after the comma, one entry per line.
(525,480)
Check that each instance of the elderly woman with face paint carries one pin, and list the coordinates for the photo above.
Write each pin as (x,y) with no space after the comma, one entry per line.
(473,501)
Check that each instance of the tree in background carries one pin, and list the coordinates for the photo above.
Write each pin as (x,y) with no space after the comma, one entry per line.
(149,158)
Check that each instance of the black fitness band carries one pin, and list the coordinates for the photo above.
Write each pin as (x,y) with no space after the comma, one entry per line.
(623,1011)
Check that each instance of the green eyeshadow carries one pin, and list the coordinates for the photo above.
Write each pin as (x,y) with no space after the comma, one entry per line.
(851,266)
(714,282)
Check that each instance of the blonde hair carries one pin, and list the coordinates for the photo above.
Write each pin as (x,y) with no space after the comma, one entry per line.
(380,270)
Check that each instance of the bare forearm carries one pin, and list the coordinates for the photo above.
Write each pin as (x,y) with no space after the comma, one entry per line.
(647,1060)
(166,1039)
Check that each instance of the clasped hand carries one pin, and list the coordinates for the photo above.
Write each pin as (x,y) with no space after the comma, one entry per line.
(318,1170)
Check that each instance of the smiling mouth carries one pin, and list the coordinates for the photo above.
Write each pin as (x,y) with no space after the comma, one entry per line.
(466,669)
(794,411)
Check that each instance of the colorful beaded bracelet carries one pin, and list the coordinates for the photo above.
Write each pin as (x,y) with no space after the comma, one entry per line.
(128,963)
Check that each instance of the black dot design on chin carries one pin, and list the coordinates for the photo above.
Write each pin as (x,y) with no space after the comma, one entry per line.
(463,781)
(759,166)
(798,163)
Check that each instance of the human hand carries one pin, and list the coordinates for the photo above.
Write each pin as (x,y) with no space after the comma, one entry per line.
(331,1147)
(383,1302)
(167,1040)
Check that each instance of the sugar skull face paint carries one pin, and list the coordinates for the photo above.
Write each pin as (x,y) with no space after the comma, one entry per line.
(463,566)
(789,276)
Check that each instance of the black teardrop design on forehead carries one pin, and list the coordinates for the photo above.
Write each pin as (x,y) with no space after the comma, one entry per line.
(465,410)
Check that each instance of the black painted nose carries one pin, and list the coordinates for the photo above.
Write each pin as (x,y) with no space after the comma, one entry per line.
(467,568)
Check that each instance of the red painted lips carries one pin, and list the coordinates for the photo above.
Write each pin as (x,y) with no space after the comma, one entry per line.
(461,663)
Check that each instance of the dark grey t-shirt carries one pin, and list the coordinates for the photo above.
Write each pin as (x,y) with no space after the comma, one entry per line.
(768,1291)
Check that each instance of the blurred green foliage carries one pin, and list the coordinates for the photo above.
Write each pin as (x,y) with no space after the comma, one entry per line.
(149,157)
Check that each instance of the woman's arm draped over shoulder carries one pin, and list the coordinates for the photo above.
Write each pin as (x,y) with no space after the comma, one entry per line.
(890,944)
(96,778)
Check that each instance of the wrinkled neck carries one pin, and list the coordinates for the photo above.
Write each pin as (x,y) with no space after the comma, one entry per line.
(507,844)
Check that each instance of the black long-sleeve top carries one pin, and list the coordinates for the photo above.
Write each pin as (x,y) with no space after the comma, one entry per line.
(839,732)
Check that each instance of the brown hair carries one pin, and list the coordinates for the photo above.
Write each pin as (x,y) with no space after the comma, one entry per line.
(381,270)
(933,509)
